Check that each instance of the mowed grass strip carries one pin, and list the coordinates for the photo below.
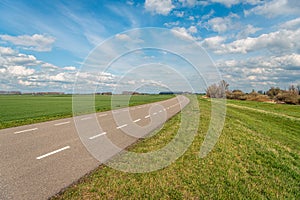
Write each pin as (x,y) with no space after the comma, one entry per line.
(16,110)
(257,157)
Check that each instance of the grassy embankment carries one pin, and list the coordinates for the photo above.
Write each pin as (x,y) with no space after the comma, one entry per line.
(16,110)
(257,157)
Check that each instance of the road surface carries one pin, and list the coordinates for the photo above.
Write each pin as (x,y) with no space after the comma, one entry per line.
(39,160)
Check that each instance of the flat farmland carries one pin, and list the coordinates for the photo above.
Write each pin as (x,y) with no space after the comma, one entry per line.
(16,110)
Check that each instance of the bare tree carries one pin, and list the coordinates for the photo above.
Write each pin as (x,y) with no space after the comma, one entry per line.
(217,90)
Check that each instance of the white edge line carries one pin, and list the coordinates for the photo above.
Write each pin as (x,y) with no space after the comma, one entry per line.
(53,152)
(95,136)
(62,123)
(27,130)
(122,126)
(137,120)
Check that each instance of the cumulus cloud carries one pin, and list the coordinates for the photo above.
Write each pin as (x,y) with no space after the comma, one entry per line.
(6,51)
(279,41)
(123,37)
(213,43)
(227,3)
(261,72)
(183,32)
(19,71)
(292,24)
(275,8)
(248,30)
(179,14)
(34,42)
(162,7)
(222,24)
(193,29)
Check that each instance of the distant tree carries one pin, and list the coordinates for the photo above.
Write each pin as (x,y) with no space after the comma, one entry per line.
(272,92)
(217,90)
(298,88)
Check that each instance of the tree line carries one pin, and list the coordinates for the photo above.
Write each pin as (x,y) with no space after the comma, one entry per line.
(274,94)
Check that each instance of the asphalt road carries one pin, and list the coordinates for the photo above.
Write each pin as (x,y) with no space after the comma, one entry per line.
(38,160)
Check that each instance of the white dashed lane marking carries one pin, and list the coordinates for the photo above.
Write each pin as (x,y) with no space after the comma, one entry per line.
(137,120)
(122,126)
(27,130)
(95,136)
(62,123)
(53,152)
(86,118)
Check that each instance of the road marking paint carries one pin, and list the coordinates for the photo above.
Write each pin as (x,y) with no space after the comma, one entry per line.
(124,125)
(27,130)
(155,113)
(115,111)
(53,152)
(95,136)
(102,115)
(160,111)
(164,109)
(62,123)
(147,116)
(137,120)
(86,118)
(139,107)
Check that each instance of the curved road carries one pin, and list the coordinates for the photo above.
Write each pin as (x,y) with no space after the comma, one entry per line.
(38,160)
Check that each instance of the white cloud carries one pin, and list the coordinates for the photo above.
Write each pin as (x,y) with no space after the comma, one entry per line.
(23,59)
(292,24)
(163,7)
(279,41)
(248,30)
(275,8)
(58,77)
(192,18)
(213,43)
(170,24)
(20,71)
(261,72)
(6,51)
(182,32)
(227,3)
(221,25)
(123,37)
(130,2)
(35,42)
(192,3)
(193,29)
(179,14)
(70,68)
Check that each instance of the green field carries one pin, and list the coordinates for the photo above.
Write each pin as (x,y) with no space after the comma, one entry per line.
(257,157)
(16,110)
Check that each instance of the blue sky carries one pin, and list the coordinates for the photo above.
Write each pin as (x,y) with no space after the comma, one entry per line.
(43,44)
